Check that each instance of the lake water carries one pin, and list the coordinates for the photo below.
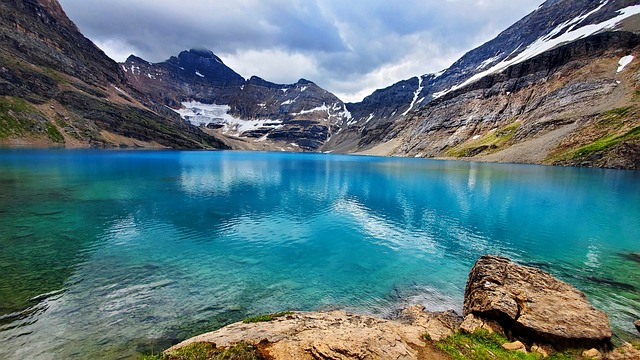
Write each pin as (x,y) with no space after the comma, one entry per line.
(106,254)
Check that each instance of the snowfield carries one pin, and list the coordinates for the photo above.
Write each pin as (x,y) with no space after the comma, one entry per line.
(200,114)
(562,34)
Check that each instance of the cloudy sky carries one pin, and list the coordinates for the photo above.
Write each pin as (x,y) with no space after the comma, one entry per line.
(349,47)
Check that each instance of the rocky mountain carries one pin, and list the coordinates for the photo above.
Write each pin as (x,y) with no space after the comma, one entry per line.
(561,86)
(58,89)
(552,89)
(248,114)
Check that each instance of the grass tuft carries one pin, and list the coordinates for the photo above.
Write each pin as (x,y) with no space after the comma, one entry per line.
(484,345)
(19,118)
(54,134)
(266,318)
(209,351)
(612,128)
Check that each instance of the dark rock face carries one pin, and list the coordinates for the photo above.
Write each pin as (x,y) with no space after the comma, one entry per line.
(533,306)
(559,88)
(307,134)
(45,60)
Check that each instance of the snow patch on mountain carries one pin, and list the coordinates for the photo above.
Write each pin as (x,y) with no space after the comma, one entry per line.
(415,96)
(562,34)
(200,114)
(439,73)
(319,108)
(624,62)
(488,62)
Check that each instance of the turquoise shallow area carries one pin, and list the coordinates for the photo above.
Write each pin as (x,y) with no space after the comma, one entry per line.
(106,254)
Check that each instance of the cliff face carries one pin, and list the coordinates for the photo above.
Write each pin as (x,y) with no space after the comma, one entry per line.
(567,106)
(58,89)
(546,90)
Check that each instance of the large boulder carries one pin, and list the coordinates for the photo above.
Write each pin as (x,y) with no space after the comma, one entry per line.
(533,306)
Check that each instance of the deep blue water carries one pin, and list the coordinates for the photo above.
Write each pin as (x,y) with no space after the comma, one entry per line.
(106,254)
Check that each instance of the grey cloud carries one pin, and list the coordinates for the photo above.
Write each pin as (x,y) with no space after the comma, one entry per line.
(350,45)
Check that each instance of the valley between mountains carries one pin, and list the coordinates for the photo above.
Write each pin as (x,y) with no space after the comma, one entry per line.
(559,87)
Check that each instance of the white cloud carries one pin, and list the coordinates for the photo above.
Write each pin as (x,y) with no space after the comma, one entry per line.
(115,49)
(280,65)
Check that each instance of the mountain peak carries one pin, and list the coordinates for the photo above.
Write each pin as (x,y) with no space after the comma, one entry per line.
(132,59)
(205,53)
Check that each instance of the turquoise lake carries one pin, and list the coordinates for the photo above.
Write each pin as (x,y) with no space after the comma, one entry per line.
(109,254)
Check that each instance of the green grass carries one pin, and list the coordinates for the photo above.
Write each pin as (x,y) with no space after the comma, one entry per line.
(13,119)
(483,345)
(489,143)
(266,318)
(209,351)
(610,125)
(617,112)
(54,74)
(19,118)
(54,134)
(604,143)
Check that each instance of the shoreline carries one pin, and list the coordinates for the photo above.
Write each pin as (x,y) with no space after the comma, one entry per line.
(419,334)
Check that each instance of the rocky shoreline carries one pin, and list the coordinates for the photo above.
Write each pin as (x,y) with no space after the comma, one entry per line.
(534,310)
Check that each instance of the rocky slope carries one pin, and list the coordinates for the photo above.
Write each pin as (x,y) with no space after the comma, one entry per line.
(546,90)
(251,114)
(58,89)
(568,106)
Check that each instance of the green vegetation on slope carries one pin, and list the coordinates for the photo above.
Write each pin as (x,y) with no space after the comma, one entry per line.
(483,345)
(266,318)
(610,129)
(489,143)
(209,351)
(18,119)
(604,143)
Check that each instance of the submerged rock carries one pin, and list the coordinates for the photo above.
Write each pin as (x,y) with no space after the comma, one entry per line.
(637,324)
(533,306)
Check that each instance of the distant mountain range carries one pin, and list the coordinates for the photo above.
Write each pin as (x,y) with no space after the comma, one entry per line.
(558,87)
(246,114)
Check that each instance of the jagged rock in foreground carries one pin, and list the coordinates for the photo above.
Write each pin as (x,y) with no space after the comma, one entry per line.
(340,335)
(533,306)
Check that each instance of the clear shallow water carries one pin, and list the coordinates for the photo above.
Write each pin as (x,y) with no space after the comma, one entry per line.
(106,254)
